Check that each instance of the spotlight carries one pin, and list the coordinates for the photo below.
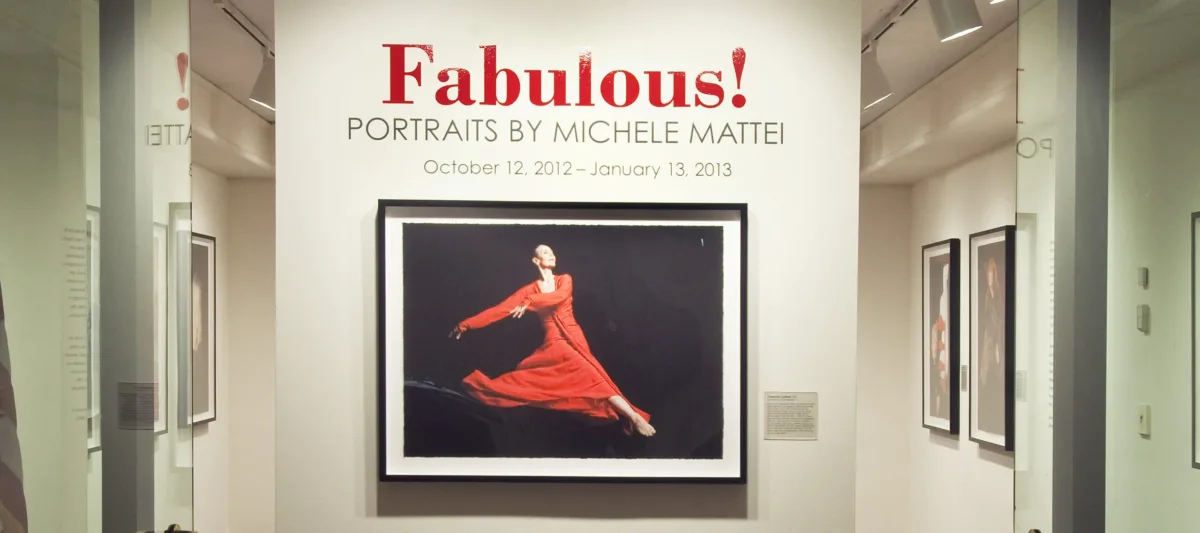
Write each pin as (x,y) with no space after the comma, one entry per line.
(955,18)
(264,88)
(875,87)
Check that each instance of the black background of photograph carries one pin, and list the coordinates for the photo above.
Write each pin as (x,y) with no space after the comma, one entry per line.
(934,276)
(649,300)
(991,394)
(200,364)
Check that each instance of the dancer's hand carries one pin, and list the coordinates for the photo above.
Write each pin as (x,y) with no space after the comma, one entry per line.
(457,332)
(518,311)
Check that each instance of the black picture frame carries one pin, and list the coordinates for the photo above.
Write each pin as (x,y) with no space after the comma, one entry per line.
(197,419)
(1009,235)
(741,211)
(1195,339)
(953,364)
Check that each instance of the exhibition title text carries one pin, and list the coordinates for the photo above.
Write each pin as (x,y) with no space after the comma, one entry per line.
(496,86)
(456,83)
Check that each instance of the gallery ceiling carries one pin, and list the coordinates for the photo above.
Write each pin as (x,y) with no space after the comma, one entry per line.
(1147,39)
(226,55)
(911,54)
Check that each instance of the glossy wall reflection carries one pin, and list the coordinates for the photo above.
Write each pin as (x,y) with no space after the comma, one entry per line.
(64,247)
(1152,471)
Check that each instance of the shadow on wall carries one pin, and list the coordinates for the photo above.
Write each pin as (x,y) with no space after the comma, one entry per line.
(554,500)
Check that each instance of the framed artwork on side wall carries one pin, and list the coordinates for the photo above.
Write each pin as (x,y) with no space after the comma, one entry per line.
(203,347)
(179,331)
(1195,339)
(939,336)
(993,319)
(561,342)
(160,328)
(92,229)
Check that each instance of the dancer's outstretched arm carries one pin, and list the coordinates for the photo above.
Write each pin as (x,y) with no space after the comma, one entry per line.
(492,314)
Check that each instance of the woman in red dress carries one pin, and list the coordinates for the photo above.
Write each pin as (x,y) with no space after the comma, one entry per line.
(562,374)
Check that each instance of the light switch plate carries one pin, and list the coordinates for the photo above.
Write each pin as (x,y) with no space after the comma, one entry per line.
(1144,278)
(1144,420)
(1143,318)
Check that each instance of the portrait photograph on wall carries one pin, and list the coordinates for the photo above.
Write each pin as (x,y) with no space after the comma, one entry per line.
(92,231)
(1196,340)
(203,336)
(559,342)
(179,331)
(992,344)
(939,335)
(160,328)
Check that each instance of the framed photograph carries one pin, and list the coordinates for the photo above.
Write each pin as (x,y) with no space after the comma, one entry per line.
(939,336)
(92,229)
(561,342)
(179,331)
(204,329)
(1195,339)
(160,328)
(993,319)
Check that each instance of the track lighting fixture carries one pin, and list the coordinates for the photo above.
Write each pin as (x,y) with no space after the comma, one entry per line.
(264,88)
(875,86)
(955,18)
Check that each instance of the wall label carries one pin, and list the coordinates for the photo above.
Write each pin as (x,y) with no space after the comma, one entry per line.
(790,416)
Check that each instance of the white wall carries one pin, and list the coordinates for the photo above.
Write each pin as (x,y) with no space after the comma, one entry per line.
(884,470)
(802,68)
(251,356)
(957,486)
(212,441)
(233,455)
(912,480)
(1154,189)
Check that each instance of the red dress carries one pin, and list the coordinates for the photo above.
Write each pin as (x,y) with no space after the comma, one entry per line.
(562,374)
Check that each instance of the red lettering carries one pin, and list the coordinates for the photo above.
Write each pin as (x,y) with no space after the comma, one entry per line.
(585,79)
(709,88)
(462,87)
(512,83)
(607,86)
(549,87)
(678,90)
(558,95)
(398,71)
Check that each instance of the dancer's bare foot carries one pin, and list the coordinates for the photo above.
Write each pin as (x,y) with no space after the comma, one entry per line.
(643,427)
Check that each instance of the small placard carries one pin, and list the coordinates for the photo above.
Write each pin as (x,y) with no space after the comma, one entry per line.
(136,411)
(964,375)
(791,416)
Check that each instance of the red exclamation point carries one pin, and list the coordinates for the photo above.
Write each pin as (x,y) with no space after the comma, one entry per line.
(739,62)
(182,61)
